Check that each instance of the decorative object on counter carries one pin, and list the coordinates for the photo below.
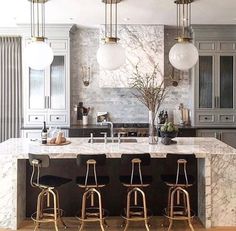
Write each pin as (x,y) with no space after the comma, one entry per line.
(101,117)
(168,131)
(82,113)
(183,55)
(111,55)
(44,133)
(38,53)
(181,115)
(150,93)
(162,117)
(85,115)
(86,74)
(59,139)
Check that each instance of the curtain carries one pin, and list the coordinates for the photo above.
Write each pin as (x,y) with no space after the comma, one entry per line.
(10,87)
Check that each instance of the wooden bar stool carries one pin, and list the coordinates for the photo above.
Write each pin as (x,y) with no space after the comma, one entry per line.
(135,183)
(92,183)
(47,184)
(178,205)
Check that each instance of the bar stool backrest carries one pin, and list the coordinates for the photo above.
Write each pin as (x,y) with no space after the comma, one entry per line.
(138,160)
(37,161)
(91,161)
(180,160)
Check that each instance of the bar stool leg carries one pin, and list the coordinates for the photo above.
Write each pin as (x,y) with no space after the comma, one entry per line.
(127,210)
(59,211)
(83,210)
(171,210)
(54,208)
(189,211)
(100,209)
(39,210)
(144,209)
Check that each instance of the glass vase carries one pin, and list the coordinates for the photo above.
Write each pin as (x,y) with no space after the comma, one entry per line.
(153,138)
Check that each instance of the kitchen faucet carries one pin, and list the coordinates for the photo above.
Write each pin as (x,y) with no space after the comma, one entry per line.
(111,128)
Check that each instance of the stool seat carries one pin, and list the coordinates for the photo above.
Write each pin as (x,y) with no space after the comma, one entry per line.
(171,180)
(101,181)
(147,180)
(51,181)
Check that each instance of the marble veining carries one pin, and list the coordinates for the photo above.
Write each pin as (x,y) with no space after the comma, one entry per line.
(144,45)
(216,173)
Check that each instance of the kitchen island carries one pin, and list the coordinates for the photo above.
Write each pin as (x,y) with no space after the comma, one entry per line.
(216,173)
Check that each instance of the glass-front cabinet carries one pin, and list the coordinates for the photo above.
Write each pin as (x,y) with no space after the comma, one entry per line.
(215,79)
(46,96)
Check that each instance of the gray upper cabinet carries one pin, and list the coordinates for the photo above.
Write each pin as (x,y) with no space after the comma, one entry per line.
(214,76)
(47,92)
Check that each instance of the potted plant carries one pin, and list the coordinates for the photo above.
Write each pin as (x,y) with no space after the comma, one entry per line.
(150,91)
(168,131)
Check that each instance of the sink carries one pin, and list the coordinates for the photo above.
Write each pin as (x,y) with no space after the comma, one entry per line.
(114,141)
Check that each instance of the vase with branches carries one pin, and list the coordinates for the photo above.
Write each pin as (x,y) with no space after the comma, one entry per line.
(150,91)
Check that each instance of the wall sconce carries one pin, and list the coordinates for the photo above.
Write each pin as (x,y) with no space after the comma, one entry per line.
(86,74)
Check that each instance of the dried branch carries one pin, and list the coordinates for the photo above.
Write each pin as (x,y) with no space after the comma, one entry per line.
(150,92)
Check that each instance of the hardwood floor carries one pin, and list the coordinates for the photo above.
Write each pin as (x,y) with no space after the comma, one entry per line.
(114,225)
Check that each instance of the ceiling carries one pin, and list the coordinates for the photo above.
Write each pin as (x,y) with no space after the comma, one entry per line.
(91,12)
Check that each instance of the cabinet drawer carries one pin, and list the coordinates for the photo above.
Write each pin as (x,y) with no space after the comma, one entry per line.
(206,118)
(59,45)
(57,118)
(36,118)
(206,46)
(226,46)
(226,118)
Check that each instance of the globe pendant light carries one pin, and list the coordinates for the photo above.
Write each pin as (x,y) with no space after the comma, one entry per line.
(183,55)
(111,55)
(38,54)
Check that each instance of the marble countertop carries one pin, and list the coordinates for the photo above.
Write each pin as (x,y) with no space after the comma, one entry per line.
(18,148)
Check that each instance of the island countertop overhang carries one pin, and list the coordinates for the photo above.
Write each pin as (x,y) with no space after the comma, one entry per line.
(20,147)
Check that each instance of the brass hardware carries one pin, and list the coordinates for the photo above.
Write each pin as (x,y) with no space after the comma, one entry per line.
(90,192)
(111,1)
(137,161)
(111,21)
(38,39)
(91,161)
(183,20)
(86,74)
(37,19)
(179,215)
(38,1)
(183,39)
(110,39)
(183,1)
(48,215)
(136,216)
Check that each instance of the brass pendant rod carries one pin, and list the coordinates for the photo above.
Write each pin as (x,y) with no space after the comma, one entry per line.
(116,20)
(106,19)
(111,19)
(37,18)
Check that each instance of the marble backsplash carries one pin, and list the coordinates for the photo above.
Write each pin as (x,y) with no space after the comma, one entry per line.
(120,103)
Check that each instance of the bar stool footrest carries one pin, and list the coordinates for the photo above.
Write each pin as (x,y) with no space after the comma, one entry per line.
(136,212)
(47,215)
(92,213)
(179,213)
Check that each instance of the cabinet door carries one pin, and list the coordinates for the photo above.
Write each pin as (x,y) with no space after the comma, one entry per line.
(36,89)
(58,83)
(229,138)
(207,133)
(206,82)
(226,82)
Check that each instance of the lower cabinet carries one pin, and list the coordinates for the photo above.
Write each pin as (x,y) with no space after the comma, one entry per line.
(227,136)
(86,132)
